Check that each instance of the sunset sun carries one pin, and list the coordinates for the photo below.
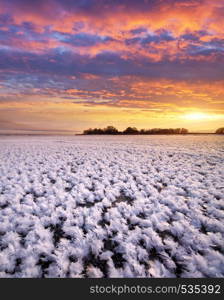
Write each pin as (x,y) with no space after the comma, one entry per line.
(200,116)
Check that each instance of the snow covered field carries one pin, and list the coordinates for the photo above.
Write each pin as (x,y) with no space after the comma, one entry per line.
(109,206)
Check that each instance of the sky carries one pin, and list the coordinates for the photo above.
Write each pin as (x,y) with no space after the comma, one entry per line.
(69,65)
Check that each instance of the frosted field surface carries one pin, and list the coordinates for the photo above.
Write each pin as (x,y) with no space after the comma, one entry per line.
(109,206)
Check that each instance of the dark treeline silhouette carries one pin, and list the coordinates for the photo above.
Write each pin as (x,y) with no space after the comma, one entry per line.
(134,130)
(220,130)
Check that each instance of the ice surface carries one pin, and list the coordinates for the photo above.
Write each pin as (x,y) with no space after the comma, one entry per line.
(112,206)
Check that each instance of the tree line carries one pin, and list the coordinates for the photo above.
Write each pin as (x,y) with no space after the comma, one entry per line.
(134,130)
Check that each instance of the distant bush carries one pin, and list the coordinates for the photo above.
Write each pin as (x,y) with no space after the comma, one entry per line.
(131,130)
(164,131)
(134,130)
(220,130)
(93,131)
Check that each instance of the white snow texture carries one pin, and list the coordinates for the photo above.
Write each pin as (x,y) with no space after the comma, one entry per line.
(112,206)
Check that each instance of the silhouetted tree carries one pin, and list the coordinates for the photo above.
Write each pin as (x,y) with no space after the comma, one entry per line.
(93,131)
(87,131)
(220,130)
(183,131)
(143,131)
(131,130)
(110,130)
(134,130)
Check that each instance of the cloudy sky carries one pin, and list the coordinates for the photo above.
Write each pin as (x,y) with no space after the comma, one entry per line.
(69,65)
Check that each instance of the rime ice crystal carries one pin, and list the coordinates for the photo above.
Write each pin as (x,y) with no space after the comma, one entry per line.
(143,206)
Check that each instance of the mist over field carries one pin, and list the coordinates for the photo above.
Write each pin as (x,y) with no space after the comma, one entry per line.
(112,206)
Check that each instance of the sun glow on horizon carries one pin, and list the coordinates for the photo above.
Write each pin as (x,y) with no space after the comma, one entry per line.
(200,116)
